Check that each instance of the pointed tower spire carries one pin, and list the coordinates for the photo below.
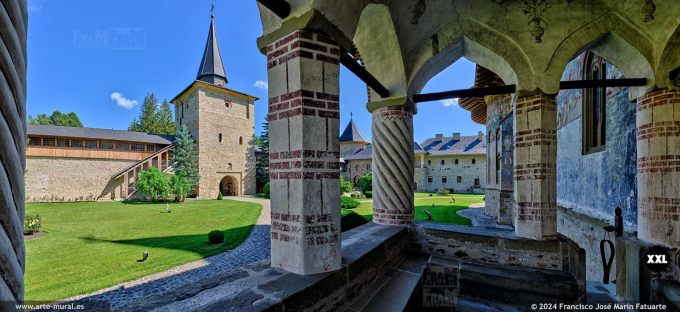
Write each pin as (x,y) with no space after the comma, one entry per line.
(212,68)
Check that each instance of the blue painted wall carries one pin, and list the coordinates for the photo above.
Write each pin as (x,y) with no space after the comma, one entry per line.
(595,184)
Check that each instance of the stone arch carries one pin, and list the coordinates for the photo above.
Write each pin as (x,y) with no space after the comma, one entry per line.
(377,42)
(229,186)
(509,63)
(612,39)
(670,58)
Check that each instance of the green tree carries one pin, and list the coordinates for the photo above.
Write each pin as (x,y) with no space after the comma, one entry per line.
(185,158)
(152,182)
(166,123)
(147,120)
(179,186)
(262,164)
(345,186)
(365,183)
(56,119)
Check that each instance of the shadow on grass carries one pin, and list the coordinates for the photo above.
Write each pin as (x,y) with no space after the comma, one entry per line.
(197,243)
(142,202)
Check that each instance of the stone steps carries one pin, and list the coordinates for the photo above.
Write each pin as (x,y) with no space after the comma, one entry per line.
(394,290)
(512,285)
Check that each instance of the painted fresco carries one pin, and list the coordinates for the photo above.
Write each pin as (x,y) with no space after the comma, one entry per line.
(569,101)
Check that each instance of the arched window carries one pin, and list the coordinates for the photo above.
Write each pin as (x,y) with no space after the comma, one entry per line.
(594,105)
(240,140)
(229,167)
(219,137)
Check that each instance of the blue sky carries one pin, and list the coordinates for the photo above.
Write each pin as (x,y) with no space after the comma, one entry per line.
(100,58)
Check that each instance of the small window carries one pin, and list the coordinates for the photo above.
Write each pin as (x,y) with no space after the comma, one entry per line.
(90,144)
(477,182)
(62,142)
(219,137)
(34,141)
(429,162)
(77,143)
(48,141)
(442,162)
(229,166)
(459,179)
(456,161)
(151,148)
(594,105)
(122,146)
(429,179)
(368,166)
(444,179)
(474,161)
(138,147)
(226,104)
(106,145)
(240,140)
(356,167)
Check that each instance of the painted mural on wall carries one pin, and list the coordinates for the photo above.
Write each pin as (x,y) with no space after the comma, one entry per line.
(508,152)
(595,184)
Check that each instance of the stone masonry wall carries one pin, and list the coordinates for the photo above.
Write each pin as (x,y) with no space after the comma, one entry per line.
(465,169)
(357,168)
(234,155)
(73,179)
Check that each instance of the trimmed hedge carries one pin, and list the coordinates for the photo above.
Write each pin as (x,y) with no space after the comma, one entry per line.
(348,203)
(216,237)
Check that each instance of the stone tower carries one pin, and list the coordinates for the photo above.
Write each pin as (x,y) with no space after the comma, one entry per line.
(221,121)
(351,139)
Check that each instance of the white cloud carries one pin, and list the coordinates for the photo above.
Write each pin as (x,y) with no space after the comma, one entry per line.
(35,8)
(449,102)
(122,101)
(261,84)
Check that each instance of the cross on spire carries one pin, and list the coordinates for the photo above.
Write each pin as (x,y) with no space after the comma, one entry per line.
(212,9)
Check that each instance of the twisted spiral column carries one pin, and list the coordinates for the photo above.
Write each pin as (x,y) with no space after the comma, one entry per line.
(393,165)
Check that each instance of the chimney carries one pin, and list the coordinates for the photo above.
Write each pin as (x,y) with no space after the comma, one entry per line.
(480,135)
(439,137)
(456,136)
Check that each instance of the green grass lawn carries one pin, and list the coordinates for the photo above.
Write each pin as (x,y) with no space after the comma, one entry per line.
(444,209)
(90,246)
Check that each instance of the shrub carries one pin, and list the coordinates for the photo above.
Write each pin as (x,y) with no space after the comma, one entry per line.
(430,194)
(348,203)
(350,219)
(179,186)
(219,196)
(32,223)
(216,237)
(345,186)
(443,192)
(365,183)
(369,194)
(152,182)
(266,189)
(356,194)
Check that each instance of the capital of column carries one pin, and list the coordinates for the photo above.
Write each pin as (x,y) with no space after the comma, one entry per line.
(392,165)
(658,167)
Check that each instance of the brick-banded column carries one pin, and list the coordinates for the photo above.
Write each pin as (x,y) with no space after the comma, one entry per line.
(392,165)
(535,190)
(304,153)
(658,165)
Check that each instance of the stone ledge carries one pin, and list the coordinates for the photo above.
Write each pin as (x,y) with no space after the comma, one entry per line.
(367,253)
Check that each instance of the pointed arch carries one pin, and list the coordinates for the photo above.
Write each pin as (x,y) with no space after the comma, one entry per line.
(612,38)
(670,57)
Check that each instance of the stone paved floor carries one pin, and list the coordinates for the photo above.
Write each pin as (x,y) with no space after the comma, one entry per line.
(475,213)
(255,248)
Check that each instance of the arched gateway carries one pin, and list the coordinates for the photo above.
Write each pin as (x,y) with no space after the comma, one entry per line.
(229,186)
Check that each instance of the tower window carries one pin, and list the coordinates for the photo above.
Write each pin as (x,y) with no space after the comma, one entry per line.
(229,166)
(429,162)
(443,162)
(219,137)
(456,161)
(474,161)
(240,140)
(594,105)
(226,103)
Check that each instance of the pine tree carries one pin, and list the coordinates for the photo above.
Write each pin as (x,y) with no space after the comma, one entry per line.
(165,120)
(147,121)
(262,165)
(185,158)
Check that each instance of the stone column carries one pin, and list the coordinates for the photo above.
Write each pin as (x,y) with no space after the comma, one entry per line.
(304,152)
(535,190)
(658,165)
(392,159)
(12,152)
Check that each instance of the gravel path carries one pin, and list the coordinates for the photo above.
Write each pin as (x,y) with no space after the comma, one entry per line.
(255,248)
